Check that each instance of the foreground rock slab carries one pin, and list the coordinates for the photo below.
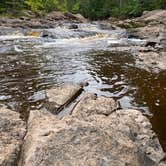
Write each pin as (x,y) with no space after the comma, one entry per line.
(95,134)
(12,132)
(60,96)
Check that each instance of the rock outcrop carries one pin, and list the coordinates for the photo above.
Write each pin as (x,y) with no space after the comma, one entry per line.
(95,134)
(150,27)
(12,132)
(153,25)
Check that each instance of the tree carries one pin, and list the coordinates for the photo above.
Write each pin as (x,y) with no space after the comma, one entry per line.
(11,6)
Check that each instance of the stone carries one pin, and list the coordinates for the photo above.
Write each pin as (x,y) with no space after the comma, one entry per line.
(60,96)
(91,136)
(90,104)
(12,132)
(73,26)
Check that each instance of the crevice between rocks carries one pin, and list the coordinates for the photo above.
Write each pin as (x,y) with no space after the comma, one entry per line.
(16,163)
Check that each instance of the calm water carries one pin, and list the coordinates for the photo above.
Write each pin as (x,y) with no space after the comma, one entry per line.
(28,66)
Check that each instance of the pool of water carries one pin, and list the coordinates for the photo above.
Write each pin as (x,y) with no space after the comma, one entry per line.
(30,65)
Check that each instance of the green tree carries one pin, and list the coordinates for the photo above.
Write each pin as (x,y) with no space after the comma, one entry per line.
(132,8)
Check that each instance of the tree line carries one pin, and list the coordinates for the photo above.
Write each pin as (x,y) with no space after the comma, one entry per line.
(93,9)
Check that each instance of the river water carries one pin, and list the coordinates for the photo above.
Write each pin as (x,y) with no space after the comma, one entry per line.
(28,65)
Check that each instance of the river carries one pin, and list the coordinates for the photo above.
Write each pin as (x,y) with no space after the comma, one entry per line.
(29,65)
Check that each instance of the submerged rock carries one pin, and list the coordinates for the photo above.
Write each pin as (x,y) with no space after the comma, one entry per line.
(58,97)
(12,132)
(96,134)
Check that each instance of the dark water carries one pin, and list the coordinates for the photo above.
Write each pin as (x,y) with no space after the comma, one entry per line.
(34,65)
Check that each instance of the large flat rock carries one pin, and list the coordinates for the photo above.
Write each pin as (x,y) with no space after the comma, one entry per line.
(60,96)
(12,132)
(96,134)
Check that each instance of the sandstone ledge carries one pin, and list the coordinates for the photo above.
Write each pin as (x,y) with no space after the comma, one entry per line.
(95,134)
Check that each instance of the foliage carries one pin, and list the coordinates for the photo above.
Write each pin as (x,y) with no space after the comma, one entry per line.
(132,8)
(93,9)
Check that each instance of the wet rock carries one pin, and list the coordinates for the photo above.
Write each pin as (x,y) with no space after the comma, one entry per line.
(94,135)
(59,97)
(133,49)
(12,132)
(151,31)
(84,84)
(73,26)
(153,60)
(151,43)
(65,32)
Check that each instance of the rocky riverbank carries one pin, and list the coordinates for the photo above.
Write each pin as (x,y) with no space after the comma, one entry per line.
(96,132)
(48,21)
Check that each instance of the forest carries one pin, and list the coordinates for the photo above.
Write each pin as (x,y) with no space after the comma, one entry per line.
(93,9)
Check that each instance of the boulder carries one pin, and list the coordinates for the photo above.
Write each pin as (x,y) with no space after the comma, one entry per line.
(60,96)
(76,17)
(73,26)
(12,132)
(81,18)
(95,134)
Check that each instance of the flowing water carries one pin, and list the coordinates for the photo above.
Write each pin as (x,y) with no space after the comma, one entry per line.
(29,65)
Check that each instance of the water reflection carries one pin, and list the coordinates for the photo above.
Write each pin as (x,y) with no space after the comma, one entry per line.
(133,87)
